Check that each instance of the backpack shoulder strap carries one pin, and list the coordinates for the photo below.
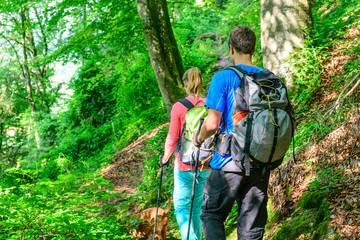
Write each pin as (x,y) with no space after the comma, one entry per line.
(189,106)
(199,102)
(186,103)
(239,72)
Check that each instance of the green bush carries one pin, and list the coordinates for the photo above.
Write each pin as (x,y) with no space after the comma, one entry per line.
(93,101)
(147,190)
(51,170)
(331,16)
(47,125)
(84,142)
(14,177)
(307,64)
(73,207)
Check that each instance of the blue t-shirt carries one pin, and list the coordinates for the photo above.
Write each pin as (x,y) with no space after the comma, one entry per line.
(221,97)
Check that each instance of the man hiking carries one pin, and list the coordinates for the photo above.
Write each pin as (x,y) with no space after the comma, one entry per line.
(227,181)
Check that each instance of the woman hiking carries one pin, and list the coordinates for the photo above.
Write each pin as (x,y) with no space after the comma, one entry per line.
(183,173)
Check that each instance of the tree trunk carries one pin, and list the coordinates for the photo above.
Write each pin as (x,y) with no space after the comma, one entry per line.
(1,129)
(43,39)
(40,73)
(30,98)
(164,54)
(284,25)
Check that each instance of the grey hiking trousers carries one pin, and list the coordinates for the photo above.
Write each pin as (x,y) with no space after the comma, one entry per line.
(220,192)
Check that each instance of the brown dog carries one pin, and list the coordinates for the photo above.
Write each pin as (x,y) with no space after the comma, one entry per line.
(147,226)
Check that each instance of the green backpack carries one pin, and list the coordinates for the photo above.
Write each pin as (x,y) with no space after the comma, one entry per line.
(185,145)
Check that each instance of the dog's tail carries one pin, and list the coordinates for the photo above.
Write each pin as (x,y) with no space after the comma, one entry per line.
(169,206)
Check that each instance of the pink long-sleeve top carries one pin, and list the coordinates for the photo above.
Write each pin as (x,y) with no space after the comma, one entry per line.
(177,121)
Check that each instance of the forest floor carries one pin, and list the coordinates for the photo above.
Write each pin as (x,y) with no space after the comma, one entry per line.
(126,170)
(330,164)
(334,159)
(338,150)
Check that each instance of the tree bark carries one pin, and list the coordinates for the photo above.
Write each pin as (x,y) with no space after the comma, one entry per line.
(24,24)
(164,54)
(284,25)
(44,40)
(1,129)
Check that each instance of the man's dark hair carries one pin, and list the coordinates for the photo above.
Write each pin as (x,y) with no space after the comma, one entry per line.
(243,39)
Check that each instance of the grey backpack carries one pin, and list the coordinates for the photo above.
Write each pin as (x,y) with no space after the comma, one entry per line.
(261,139)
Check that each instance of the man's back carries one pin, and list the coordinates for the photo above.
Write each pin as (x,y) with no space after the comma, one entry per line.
(226,182)
(221,97)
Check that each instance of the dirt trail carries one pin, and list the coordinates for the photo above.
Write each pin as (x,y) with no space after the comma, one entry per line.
(338,150)
(126,171)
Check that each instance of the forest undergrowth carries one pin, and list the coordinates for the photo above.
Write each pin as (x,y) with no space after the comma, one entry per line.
(323,183)
(315,196)
(97,167)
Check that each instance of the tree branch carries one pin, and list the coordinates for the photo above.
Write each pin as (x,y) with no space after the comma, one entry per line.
(341,99)
(17,24)
(16,53)
(26,98)
(44,39)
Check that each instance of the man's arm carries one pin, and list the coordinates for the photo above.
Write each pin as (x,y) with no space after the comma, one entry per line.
(209,127)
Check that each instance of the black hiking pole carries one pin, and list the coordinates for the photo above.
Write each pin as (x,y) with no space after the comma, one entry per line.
(194,181)
(159,190)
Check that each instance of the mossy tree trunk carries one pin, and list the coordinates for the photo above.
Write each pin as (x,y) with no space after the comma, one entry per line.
(164,54)
(284,27)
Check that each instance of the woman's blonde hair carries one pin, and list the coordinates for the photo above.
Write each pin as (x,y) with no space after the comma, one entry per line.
(194,82)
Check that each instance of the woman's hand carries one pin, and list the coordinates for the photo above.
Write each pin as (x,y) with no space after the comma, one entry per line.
(164,159)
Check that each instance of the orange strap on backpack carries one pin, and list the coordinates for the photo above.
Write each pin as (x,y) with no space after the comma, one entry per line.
(238,116)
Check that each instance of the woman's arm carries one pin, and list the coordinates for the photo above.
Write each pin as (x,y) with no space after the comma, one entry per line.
(174,132)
